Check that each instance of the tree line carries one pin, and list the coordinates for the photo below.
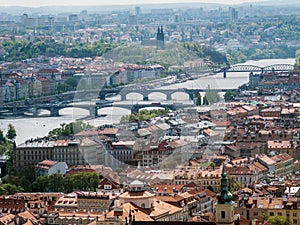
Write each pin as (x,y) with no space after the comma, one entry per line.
(68,130)
(210,97)
(254,53)
(56,182)
(20,50)
(82,181)
(206,52)
(144,115)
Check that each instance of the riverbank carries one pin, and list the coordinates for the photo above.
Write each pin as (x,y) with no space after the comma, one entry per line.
(32,127)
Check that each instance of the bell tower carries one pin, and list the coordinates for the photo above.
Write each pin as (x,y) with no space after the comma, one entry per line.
(224,214)
(160,38)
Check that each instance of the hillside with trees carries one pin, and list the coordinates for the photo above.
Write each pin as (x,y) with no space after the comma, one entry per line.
(172,54)
(21,50)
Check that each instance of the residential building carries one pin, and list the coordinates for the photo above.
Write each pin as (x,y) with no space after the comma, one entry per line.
(210,179)
(48,167)
(251,206)
(32,152)
(283,165)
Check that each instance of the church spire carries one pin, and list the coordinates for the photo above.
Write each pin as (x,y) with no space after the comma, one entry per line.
(224,197)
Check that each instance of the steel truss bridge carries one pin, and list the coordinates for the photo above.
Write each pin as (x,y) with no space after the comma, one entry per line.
(256,69)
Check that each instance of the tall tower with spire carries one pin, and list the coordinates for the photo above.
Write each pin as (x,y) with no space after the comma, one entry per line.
(224,214)
(160,37)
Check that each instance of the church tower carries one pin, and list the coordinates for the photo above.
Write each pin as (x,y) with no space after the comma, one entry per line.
(160,37)
(224,214)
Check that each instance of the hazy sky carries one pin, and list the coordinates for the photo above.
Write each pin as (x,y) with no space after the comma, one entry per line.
(36,3)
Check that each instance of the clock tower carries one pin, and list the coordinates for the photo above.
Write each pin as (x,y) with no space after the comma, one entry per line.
(224,214)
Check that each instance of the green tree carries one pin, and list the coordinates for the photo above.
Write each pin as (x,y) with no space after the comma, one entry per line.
(2,137)
(11,188)
(28,172)
(233,185)
(212,96)
(25,184)
(69,129)
(68,184)
(11,133)
(55,182)
(280,220)
(3,190)
(263,217)
(205,100)
(230,95)
(118,170)
(144,115)
(40,184)
(198,100)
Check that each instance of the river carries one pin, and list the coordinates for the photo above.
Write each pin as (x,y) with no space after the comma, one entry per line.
(30,127)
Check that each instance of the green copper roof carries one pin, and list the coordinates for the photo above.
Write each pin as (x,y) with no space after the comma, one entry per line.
(224,197)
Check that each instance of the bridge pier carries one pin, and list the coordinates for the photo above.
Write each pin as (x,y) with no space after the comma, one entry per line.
(102,96)
(54,112)
(224,73)
(134,109)
(35,112)
(93,111)
(145,98)
(15,111)
(123,97)
(169,97)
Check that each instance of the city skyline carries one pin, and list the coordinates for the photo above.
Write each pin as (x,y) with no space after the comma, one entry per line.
(29,3)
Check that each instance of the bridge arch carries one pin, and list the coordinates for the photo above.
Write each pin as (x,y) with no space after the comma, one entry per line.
(134,95)
(76,110)
(180,95)
(110,111)
(156,95)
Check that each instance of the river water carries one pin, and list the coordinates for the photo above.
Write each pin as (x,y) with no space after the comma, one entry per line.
(31,127)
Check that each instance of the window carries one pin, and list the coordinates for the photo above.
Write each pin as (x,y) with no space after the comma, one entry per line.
(294,214)
(279,214)
(107,187)
(223,214)
(271,213)
(295,222)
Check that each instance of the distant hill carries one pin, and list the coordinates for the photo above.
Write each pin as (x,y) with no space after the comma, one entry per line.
(18,10)
(173,54)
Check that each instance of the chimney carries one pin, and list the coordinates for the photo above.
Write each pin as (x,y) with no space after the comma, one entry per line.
(294,200)
(284,201)
(254,198)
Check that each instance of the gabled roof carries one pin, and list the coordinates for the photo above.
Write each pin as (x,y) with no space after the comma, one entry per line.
(46,164)
(107,181)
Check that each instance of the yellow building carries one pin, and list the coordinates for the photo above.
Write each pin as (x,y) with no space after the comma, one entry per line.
(252,207)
